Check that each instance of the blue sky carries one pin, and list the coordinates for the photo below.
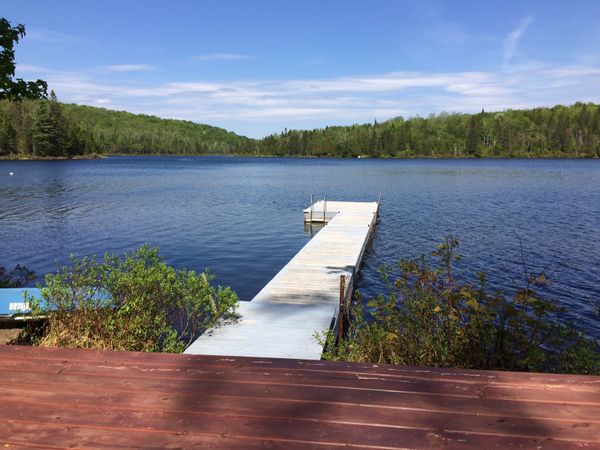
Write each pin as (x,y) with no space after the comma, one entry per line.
(257,67)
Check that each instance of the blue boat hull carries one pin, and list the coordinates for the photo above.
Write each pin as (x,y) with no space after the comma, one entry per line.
(13,304)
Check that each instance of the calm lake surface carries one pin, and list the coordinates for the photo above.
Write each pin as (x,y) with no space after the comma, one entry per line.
(242,217)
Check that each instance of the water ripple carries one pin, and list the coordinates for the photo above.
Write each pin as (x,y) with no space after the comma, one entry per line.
(241,217)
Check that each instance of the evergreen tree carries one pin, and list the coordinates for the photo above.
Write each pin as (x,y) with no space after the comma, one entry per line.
(474,135)
(43,132)
(59,127)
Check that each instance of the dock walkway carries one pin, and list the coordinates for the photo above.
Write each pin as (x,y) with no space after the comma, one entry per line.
(303,298)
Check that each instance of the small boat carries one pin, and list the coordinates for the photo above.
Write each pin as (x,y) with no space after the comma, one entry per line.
(14,304)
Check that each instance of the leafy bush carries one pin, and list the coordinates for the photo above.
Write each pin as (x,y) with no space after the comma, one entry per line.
(429,318)
(135,302)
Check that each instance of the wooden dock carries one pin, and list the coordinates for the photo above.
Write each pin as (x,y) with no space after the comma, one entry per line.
(304,296)
(73,398)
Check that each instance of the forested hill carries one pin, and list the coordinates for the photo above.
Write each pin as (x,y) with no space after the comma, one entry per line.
(561,131)
(47,128)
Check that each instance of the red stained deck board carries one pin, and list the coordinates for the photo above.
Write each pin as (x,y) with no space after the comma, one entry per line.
(166,360)
(60,398)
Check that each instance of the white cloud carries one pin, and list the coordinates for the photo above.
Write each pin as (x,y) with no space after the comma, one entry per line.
(511,43)
(221,57)
(128,68)
(53,39)
(32,69)
(258,107)
(573,71)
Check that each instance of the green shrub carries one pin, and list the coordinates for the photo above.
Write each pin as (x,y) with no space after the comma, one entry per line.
(135,302)
(429,318)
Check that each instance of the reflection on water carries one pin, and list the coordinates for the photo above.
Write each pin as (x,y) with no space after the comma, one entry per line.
(312,228)
(242,217)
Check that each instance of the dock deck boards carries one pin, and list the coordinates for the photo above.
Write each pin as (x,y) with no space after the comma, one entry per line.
(65,398)
(303,297)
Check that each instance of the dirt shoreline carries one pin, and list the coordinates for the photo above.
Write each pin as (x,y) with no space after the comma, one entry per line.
(8,334)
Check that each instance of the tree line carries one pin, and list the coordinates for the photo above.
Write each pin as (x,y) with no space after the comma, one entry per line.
(561,131)
(47,128)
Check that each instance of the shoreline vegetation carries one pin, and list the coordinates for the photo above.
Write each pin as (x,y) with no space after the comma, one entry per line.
(132,302)
(427,317)
(45,129)
(241,155)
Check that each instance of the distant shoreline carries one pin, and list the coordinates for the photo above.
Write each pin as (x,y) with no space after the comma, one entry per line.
(243,155)
(54,158)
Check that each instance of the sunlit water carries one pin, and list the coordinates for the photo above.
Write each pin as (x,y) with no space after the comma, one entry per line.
(242,217)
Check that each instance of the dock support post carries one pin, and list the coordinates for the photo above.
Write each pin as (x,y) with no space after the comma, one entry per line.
(324,207)
(312,201)
(340,321)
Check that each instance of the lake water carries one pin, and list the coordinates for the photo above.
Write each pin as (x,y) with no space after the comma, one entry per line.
(242,217)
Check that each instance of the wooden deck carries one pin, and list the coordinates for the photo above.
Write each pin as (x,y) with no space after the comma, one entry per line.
(63,398)
(303,297)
